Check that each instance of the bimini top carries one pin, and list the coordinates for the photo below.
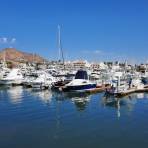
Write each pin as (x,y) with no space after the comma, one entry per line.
(81,74)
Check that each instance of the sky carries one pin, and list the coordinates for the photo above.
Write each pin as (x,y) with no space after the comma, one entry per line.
(95,30)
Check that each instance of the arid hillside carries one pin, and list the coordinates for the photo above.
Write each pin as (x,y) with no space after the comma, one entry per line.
(14,55)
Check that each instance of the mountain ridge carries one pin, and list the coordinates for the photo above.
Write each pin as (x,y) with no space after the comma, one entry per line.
(15,55)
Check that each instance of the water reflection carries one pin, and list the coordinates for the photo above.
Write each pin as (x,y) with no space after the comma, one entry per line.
(140,95)
(146,95)
(15,94)
(127,102)
(80,100)
(66,118)
(113,102)
(44,95)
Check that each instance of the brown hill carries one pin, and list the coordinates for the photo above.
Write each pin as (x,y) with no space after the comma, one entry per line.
(14,55)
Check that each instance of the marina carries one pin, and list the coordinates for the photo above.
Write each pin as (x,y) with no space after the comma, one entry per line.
(116,79)
(73,74)
(46,107)
(73,106)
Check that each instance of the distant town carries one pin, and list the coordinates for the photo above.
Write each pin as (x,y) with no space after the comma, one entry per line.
(14,58)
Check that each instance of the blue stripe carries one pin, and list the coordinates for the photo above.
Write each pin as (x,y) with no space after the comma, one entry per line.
(82,87)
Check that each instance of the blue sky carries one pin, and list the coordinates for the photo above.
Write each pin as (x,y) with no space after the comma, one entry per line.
(92,29)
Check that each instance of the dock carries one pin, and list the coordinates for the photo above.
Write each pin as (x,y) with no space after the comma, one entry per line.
(98,89)
(130,91)
(103,88)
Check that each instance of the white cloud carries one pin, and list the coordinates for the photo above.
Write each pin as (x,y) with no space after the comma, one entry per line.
(13,40)
(98,52)
(5,40)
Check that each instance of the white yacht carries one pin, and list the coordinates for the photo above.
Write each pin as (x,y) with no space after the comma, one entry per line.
(118,83)
(15,77)
(28,80)
(4,72)
(81,83)
(44,80)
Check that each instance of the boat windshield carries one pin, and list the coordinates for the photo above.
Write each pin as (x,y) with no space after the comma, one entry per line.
(81,75)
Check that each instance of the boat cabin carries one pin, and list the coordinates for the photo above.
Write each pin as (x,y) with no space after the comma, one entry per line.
(81,74)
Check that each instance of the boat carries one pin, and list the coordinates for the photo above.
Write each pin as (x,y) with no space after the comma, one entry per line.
(144,78)
(43,81)
(118,84)
(15,77)
(4,72)
(28,80)
(80,83)
(122,86)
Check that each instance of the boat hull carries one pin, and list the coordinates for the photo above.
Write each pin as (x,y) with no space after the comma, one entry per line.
(39,85)
(10,82)
(79,88)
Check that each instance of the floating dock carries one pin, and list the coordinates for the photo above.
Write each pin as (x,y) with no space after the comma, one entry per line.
(130,91)
(98,89)
(118,94)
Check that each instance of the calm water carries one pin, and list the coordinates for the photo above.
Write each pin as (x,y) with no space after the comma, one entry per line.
(44,119)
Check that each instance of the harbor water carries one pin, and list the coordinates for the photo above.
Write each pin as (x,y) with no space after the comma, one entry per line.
(47,119)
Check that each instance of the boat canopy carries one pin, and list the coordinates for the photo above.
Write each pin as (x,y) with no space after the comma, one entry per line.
(81,74)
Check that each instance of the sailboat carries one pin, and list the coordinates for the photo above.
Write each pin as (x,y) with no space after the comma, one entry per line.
(62,73)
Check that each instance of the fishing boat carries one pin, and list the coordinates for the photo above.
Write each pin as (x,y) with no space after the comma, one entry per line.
(121,86)
(118,84)
(80,83)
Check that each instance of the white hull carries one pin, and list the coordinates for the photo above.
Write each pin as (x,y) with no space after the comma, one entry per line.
(10,82)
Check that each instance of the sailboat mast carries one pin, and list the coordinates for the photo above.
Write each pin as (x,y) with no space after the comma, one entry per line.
(4,58)
(59,41)
(60,46)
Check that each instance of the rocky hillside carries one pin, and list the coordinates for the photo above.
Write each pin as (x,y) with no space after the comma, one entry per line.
(14,55)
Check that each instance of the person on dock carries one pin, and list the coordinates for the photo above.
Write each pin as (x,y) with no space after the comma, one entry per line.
(130,82)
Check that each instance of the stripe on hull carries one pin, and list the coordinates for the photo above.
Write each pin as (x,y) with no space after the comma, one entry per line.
(80,88)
